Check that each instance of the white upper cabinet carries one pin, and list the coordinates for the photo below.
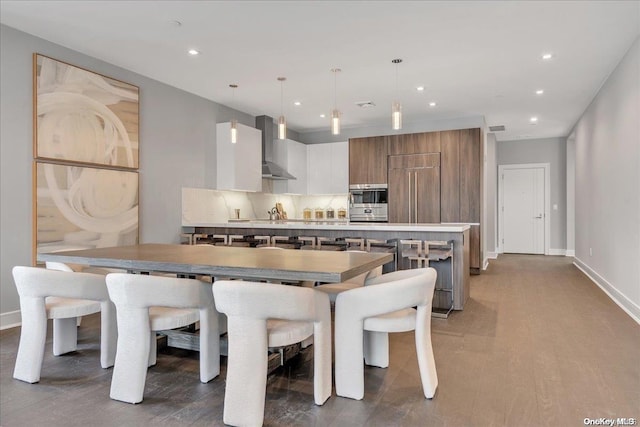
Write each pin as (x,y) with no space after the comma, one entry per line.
(292,156)
(239,165)
(328,168)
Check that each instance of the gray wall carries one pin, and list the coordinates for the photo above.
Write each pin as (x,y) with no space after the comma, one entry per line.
(607,184)
(548,150)
(491,196)
(177,148)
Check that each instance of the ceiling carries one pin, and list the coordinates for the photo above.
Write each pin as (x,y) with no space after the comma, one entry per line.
(480,58)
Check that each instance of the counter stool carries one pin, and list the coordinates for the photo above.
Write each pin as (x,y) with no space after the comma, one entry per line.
(237,240)
(191,237)
(436,252)
(411,252)
(220,239)
(276,239)
(386,246)
(263,241)
(308,242)
(354,243)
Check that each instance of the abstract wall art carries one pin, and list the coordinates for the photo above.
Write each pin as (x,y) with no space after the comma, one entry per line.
(81,116)
(86,151)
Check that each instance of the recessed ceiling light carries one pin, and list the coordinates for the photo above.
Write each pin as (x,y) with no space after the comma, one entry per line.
(547,56)
(533,120)
(432,104)
(420,88)
(297,103)
(194,52)
(539,91)
(323,115)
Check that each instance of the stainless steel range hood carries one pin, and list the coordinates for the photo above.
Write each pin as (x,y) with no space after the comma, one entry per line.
(270,170)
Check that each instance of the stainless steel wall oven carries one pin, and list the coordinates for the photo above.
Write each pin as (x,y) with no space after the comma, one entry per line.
(368,203)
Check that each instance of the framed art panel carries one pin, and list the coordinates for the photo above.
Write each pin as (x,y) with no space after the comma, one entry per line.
(81,207)
(81,116)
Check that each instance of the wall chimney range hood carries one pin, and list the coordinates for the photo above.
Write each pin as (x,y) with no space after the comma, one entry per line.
(270,170)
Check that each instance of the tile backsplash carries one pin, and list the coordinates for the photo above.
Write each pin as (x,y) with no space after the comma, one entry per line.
(206,206)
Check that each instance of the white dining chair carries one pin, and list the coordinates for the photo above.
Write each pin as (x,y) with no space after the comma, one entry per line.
(364,317)
(146,304)
(62,296)
(263,315)
(333,289)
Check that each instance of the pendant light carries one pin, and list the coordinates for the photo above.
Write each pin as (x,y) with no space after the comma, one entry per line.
(396,108)
(335,113)
(234,122)
(282,122)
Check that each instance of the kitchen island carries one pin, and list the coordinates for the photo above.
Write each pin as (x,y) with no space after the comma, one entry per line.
(453,277)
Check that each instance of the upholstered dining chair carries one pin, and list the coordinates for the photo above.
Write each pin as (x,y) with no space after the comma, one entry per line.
(262,315)
(145,304)
(333,289)
(364,317)
(61,296)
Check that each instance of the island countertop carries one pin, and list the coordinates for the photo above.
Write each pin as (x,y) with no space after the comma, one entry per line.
(335,225)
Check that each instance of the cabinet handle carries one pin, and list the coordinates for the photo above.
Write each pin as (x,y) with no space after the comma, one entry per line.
(415,194)
(409,197)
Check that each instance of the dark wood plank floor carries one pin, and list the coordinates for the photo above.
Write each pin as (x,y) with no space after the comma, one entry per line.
(537,344)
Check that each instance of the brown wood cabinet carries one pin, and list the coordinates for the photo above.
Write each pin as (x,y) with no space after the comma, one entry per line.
(452,192)
(414,143)
(450,176)
(414,188)
(368,160)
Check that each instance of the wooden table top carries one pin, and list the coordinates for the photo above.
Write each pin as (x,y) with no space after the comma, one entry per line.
(227,261)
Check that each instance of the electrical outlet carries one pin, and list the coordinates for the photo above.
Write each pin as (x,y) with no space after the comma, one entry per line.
(590,251)
(555,207)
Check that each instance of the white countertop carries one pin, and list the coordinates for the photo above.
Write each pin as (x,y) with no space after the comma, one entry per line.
(335,225)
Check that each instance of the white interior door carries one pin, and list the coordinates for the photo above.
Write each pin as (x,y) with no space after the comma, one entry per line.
(523,210)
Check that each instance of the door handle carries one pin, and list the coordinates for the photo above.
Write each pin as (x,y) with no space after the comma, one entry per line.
(538,217)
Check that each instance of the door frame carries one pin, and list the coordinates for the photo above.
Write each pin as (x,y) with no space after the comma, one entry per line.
(547,198)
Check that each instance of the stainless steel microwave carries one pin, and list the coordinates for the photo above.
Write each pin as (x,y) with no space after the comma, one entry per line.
(368,203)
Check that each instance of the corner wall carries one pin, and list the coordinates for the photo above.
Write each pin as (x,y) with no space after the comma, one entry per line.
(607,185)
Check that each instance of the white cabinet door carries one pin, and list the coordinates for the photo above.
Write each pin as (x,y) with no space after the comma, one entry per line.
(292,156)
(239,165)
(297,166)
(319,168)
(328,168)
(339,167)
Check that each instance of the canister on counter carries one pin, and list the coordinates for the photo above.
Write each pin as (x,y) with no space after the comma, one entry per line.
(342,213)
(330,213)
(319,212)
(306,213)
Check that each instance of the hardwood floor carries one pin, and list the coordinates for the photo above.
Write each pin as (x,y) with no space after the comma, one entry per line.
(537,344)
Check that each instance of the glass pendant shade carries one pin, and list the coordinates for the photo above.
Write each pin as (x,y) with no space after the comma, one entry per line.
(234,131)
(335,122)
(396,115)
(282,128)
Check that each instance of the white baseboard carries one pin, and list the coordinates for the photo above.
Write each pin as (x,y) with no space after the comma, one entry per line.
(10,319)
(561,252)
(485,264)
(492,255)
(570,252)
(631,308)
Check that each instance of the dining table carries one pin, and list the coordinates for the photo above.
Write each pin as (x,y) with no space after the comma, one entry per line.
(283,265)
(287,265)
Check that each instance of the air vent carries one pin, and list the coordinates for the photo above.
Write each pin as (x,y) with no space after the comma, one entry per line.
(499,128)
(365,104)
